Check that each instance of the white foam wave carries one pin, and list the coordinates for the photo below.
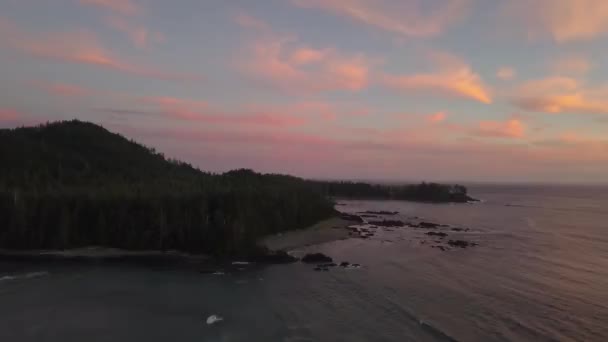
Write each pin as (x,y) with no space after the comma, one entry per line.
(23,276)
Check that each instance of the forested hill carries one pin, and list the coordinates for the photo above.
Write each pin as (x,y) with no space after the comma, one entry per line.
(73,184)
(81,154)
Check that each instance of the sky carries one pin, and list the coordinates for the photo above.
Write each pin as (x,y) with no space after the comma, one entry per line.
(400,90)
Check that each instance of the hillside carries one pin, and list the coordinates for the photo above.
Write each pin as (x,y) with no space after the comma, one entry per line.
(80,154)
(73,184)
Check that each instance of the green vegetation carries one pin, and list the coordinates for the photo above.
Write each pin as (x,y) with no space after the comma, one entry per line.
(424,192)
(73,184)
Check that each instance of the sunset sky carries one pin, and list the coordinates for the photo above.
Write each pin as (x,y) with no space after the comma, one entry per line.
(440,90)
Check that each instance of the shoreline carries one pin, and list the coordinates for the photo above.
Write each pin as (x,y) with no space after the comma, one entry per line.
(100,254)
(328,230)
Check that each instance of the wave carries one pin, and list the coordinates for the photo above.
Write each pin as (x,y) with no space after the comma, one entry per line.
(23,276)
(593,211)
(436,332)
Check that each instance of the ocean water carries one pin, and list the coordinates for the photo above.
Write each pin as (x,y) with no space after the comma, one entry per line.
(540,273)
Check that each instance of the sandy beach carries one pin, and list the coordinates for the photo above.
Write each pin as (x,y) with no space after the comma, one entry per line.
(325,231)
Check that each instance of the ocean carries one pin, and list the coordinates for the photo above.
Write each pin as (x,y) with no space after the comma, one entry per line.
(539,273)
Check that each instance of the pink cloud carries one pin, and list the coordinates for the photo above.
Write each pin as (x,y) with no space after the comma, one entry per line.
(404,17)
(306,69)
(80,47)
(572,146)
(561,95)
(380,155)
(247,21)
(7,114)
(201,111)
(506,73)
(453,77)
(562,20)
(571,65)
(124,7)
(512,128)
(436,118)
(304,56)
(61,89)
(139,35)
(281,61)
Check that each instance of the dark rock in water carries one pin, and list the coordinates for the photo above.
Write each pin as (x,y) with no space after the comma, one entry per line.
(351,217)
(211,270)
(327,265)
(316,258)
(428,225)
(380,212)
(278,257)
(317,268)
(325,270)
(460,229)
(388,223)
(344,264)
(437,234)
(461,243)
(369,216)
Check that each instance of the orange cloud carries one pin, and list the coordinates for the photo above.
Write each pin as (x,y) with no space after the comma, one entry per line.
(571,65)
(80,47)
(404,17)
(124,7)
(436,118)
(453,77)
(513,128)
(561,95)
(506,73)
(562,20)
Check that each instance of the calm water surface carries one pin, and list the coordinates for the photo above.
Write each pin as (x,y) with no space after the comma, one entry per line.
(540,273)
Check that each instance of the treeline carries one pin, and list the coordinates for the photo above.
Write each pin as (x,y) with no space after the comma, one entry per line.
(74,184)
(425,192)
